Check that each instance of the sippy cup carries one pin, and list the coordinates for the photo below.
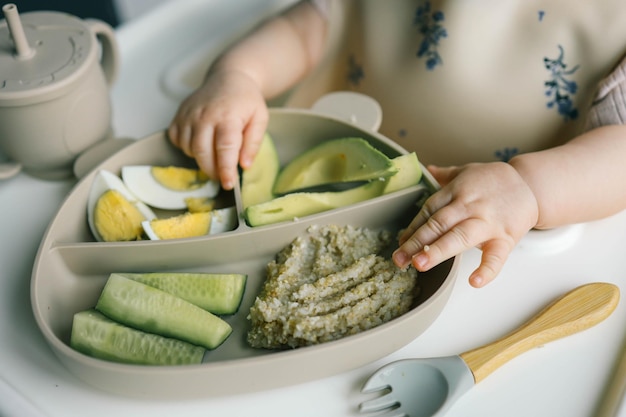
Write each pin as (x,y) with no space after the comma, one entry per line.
(55,74)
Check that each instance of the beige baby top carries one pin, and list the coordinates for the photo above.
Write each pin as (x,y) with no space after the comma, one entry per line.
(472,80)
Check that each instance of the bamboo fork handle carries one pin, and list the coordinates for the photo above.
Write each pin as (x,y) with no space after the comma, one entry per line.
(577,310)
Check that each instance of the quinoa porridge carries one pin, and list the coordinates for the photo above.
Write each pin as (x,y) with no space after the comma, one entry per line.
(330,283)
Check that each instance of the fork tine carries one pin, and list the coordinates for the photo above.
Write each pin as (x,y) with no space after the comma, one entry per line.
(377,404)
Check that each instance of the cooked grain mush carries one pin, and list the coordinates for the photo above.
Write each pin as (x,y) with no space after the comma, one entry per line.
(330,283)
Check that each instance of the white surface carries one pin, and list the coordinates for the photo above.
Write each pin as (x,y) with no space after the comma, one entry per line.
(564,378)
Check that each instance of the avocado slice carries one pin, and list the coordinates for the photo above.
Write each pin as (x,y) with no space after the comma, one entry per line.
(295,205)
(333,161)
(258,180)
(409,173)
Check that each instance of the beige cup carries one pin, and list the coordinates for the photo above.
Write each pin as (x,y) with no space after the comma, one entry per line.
(54,88)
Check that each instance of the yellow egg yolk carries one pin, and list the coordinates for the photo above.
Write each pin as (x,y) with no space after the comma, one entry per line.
(116,219)
(185,225)
(179,179)
(199,204)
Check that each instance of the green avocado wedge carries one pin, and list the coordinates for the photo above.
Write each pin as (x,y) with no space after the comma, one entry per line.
(334,161)
(409,173)
(296,205)
(258,180)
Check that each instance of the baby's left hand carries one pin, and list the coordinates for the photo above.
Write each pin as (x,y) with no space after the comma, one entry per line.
(488,206)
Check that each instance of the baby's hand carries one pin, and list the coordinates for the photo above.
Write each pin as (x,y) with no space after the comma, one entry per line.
(221,125)
(488,206)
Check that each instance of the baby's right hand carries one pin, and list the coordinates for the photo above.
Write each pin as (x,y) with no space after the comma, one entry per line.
(221,125)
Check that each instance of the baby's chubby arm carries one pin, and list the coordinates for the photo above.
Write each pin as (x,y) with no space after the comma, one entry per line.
(222,123)
(492,206)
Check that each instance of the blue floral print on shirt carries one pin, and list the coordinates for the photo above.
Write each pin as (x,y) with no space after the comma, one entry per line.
(506,154)
(355,71)
(560,88)
(429,24)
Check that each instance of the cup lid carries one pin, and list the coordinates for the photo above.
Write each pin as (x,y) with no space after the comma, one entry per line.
(61,45)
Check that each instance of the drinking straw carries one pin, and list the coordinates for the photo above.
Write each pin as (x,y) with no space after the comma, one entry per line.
(12,17)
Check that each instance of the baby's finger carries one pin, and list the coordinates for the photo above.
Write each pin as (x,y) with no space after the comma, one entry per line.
(252,138)
(201,148)
(443,175)
(435,228)
(458,239)
(422,216)
(435,202)
(180,136)
(228,143)
(172,134)
(495,254)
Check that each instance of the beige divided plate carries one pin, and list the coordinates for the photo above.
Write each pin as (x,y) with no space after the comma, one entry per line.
(71,268)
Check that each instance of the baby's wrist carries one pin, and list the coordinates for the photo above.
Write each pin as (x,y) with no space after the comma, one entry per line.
(523,166)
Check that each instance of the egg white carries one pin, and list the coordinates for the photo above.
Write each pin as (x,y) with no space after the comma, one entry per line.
(147,228)
(222,220)
(140,181)
(104,181)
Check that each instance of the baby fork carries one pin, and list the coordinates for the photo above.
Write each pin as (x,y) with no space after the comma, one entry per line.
(428,387)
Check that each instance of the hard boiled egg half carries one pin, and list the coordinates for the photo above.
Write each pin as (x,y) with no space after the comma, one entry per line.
(191,224)
(168,187)
(114,213)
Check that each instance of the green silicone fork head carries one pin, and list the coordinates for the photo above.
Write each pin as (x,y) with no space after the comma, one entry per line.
(427,387)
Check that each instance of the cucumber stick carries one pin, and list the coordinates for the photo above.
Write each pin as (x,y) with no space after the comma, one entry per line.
(100,337)
(217,293)
(155,311)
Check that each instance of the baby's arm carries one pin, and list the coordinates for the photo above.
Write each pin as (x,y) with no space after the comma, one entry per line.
(492,206)
(580,181)
(221,124)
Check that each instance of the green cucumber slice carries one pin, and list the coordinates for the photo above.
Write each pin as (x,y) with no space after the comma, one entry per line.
(217,293)
(334,161)
(155,311)
(100,337)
